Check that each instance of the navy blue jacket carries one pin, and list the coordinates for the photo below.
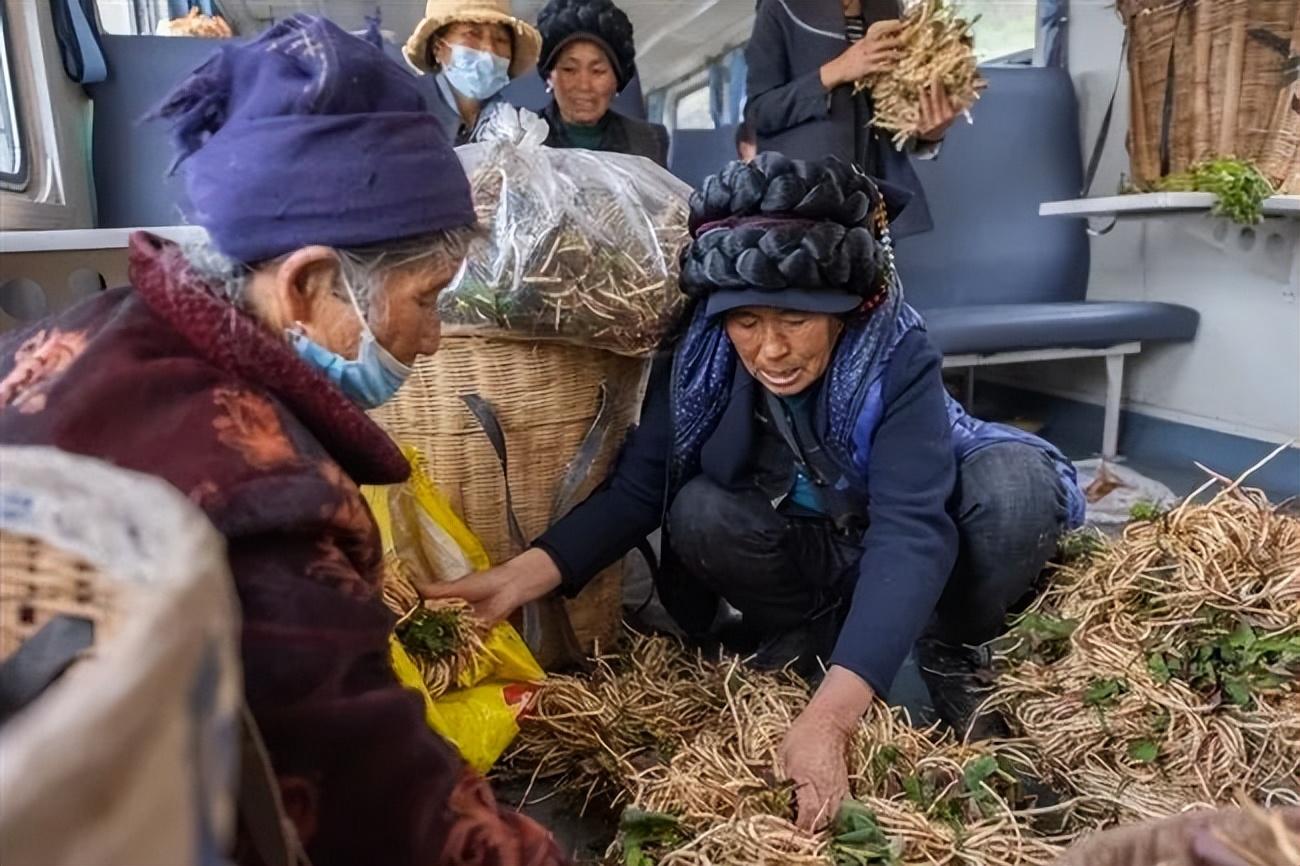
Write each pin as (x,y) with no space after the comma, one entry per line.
(793,114)
(910,546)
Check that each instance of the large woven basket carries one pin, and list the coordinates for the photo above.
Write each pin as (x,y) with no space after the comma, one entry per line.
(1229,94)
(547,398)
(125,757)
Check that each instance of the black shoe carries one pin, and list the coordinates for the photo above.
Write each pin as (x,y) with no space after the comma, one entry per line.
(957,684)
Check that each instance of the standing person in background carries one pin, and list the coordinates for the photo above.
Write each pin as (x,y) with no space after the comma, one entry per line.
(588,56)
(473,49)
(803,61)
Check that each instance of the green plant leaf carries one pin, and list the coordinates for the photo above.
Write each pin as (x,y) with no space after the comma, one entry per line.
(1143,751)
(976,774)
(1243,637)
(1159,668)
(1104,692)
(1238,692)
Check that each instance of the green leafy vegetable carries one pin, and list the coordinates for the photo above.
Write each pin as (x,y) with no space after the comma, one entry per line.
(1145,511)
(1143,751)
(1078,545)
(1159,668)
(859,840)
(1104,692)
(643,832)
(430,633)
(1039,636)
(1240,187)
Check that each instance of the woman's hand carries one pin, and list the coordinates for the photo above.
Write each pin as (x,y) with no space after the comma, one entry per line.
(937,113)
(813,752)
(878,51)
(499,592)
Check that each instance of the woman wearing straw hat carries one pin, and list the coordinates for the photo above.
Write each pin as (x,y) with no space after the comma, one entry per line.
(807,466)
(472,50)
(588,56)
(240,370)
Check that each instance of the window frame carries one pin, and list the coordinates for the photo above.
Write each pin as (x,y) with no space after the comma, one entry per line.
(19,179)
(697,81)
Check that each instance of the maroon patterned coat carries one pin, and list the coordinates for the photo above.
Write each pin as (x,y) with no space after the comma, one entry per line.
(169,379)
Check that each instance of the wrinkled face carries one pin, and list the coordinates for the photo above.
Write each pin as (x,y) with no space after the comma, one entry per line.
(584,83)
(496,38)
(306,289)
(784,350)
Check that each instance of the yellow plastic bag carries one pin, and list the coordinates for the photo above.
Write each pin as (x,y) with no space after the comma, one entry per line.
(480,716)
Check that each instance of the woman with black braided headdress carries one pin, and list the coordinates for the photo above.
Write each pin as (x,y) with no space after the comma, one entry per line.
(588,56)
(807,465)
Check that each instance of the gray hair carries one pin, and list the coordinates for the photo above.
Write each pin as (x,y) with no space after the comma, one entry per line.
(362,268)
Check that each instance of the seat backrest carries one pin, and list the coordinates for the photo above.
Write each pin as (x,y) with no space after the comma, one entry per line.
(989,245)
(698,153)
(130,158)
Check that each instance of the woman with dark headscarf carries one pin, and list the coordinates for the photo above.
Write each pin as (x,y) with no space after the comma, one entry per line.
(240,370)
(588,56)
(807,466)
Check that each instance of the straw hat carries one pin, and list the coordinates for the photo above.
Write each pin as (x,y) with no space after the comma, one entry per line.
(439,13)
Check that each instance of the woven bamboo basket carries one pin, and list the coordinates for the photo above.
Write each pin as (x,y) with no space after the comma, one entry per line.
(39,582)
(546,397)
(1229,93)
(120,757)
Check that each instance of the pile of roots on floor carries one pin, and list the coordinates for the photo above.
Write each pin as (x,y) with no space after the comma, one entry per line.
(443,638)
(688,749)
(1161,670)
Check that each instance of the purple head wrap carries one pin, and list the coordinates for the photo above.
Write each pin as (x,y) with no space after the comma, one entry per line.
(309,135)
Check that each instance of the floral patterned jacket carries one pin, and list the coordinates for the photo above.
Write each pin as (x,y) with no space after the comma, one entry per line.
(167,378)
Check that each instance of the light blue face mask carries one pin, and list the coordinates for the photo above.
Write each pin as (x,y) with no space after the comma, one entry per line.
(370,381)
(477,74)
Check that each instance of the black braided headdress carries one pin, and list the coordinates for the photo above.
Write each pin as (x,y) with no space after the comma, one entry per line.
(560,21)
(776,224)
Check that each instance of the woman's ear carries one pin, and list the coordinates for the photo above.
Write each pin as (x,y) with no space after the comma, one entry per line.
(304,284)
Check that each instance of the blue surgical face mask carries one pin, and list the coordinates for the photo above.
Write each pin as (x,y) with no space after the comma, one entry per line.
(477,74)
(370,381)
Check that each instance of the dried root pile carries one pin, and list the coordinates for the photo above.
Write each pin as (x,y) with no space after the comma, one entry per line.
(690,749)
(582,259)
(937,46)
(443,638)
(1162,670)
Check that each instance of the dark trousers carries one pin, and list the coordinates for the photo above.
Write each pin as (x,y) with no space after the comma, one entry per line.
(791,577)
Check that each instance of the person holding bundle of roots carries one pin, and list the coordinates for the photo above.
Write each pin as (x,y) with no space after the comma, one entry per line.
(807,466)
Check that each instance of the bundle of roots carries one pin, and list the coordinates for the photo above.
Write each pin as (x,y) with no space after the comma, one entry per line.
(443,638)
(690,748)
(1161,671)
(937,46)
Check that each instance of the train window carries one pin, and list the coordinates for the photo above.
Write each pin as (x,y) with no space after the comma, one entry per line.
(1004,28)
(13,151)
(691,110)
(131,17)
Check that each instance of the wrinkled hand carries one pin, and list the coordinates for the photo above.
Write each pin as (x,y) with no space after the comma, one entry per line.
(878,51)
(937,113)
(813,758)
(498,592)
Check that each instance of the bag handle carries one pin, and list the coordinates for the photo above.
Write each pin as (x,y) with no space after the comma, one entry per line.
(569,651)
(270,831)
(41,660)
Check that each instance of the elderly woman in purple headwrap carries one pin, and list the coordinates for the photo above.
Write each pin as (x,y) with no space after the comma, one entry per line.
(240,371)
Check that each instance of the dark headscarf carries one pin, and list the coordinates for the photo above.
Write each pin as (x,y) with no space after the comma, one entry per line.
(309,135)
(562,22)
